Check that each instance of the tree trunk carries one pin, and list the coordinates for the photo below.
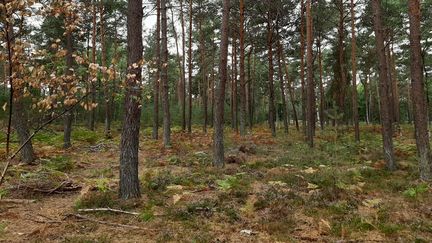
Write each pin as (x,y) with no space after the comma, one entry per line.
(342,86)
(68,117)
(310,77)
(242,73)
(282,85)
(156,89)
(395,88)
(234,85)
(17,112)
(291,93)
(220,91)
(203,76)
(183,67)
(249,100)
(105,80)
(179,61)
(164,76)
(272,110)
(354,75)
(94,77)
(321,84)
(418,93)
(302,66)
(129,182)
(190,67)
(387,132)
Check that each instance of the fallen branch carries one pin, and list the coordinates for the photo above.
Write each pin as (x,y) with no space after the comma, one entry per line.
(79,216)
(17,201)
(106,210)
(35,132)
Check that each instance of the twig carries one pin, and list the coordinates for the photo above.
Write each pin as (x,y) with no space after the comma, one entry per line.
(79,216)
(106,210)
(17,201)
(35,132)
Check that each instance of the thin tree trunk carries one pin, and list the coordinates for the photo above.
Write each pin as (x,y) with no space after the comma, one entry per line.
(164,76)
(249,90)
(321,84)
(129,182)
(179,61)
(354,74)
(155,133)
(272,110)
(242,73)
(310,79)
(220,91)
(203,76)
(183,67)
(302,65)
(93,77)
(282,85)
(291,93)
(395,87)
(342,87)
(418,93)
(387,132)
(105,80)
(17,112)
(190,67)
(69,76)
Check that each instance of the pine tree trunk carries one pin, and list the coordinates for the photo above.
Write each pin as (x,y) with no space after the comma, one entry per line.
(282,85)
(387,132)
(203,77)
(164,76)
(68,117)
(183,67)
(156,82)
(190,67)
(105,80)
(242,73)
(180,84)
(321,84)
(272,110)
(310,77)
(354,74)
(302,66)
(220,91)
(342,79)
(418,93)
(93,77)
(17,113)
(129,182)
(291,93)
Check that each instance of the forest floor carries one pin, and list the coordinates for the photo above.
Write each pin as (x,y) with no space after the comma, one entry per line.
(273,190)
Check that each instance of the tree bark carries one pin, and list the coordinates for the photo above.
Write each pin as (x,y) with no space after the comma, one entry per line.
(155,132)
(105,81)
(386,130)
(93,78)
(17,112)
(321,84)
(164,77)
(310,77)
(220,91)
(129,182)
(68,82)
(242,72)
(354,75)
(190,67)
(203,76)
(282,85)
(272,110)
(418,93)
(302,66)
(183,66)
